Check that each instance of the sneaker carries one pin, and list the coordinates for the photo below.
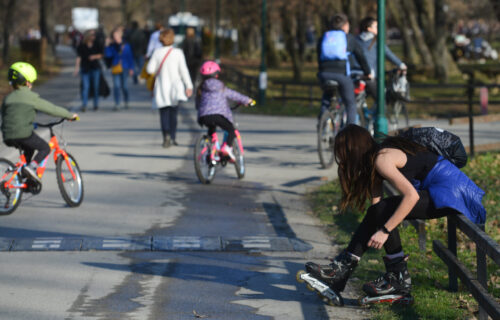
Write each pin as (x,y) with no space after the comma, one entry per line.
(175,143)
(30,172)
(166,141)
(228,151)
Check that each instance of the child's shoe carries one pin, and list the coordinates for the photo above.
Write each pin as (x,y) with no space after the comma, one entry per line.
(30,171)
(228,151)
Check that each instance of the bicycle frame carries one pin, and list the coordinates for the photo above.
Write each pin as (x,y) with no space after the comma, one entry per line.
(216,146)
(58,151)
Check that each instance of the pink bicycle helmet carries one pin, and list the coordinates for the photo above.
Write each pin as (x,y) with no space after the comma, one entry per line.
(209,68)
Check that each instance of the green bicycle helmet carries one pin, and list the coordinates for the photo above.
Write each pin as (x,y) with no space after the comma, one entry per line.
(20,72)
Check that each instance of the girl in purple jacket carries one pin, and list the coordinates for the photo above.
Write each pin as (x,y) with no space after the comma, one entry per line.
(213,107)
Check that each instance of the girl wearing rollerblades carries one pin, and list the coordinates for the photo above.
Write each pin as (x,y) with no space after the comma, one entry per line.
(429,186)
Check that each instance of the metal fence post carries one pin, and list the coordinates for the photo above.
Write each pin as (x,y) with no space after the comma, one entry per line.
(470,94)
(452,246)
(482,273)
(283,90)
(310,97)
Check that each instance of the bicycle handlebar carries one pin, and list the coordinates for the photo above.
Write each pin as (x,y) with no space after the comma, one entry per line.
(51,124)
(251,104)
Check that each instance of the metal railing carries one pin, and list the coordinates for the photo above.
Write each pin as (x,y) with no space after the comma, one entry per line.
(485,246)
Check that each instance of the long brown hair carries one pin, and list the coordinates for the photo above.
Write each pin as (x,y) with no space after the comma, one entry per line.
(355,153)
(355,150)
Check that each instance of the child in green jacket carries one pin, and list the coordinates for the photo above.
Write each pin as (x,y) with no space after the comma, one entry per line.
(18,114)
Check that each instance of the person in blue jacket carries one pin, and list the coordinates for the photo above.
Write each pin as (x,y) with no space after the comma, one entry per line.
(121,59)
(334,48)
(429,186)
(367,39)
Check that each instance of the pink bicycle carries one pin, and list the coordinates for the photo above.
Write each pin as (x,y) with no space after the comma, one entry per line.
(208,155)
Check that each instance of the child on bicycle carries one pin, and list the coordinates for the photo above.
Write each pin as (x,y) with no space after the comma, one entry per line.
(213,107)
(18,114)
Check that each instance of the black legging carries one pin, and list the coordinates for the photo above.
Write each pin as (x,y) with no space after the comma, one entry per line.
(30,145)
(378,214)
(216,120)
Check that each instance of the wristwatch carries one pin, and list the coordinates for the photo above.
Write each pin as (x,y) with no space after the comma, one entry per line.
(384,230)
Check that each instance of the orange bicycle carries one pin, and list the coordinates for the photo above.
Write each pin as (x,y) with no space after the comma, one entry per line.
(13,182)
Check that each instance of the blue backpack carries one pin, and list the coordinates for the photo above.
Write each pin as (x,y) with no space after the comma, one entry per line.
(334,46)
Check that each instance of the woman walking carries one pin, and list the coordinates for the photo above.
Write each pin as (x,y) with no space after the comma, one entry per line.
(122,65)
(89,67)
(173,84)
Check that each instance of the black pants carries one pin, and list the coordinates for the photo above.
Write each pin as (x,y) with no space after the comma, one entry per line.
(168,121)
(378,214)
(216,120)
(30,145)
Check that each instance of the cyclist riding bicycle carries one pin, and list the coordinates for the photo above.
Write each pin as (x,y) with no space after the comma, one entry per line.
(213,107)
(367,39)
(334,48)
(18,114)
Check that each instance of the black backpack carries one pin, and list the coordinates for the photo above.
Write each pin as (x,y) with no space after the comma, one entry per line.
(439,141)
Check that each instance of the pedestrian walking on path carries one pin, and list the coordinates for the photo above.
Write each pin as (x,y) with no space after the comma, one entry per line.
(121,59)
(173,84)
(138,42)
(89,66)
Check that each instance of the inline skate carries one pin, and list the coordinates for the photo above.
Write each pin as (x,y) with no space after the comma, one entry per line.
(393,287)
(329,280)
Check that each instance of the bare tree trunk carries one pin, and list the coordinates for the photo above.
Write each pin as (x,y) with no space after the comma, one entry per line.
(46,23)
(289,34)
(409,50)
(8,19)
(411,11)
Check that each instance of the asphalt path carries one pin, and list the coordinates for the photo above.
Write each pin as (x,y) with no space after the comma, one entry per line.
(149,241)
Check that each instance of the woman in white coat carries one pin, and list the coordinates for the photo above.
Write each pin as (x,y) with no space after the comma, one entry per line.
(173,84)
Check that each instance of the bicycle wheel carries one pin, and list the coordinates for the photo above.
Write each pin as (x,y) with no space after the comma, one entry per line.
(203,166)
(69,180)
(329,126)
(397,115)
(239,164)
(10,198)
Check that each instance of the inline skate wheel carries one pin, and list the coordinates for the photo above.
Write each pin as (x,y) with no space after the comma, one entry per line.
(299,273)
(309,287)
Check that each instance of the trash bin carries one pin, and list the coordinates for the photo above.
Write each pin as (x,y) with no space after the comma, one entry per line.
(33,51)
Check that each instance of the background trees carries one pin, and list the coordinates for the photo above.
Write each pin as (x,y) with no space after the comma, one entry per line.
(293,26)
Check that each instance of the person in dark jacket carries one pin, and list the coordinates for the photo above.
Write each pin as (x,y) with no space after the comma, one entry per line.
(368,41)
(138,42)
(429,186)
(192,51)
(88,65)
(337,69)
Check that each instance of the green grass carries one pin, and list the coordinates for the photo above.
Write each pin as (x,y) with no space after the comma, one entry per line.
(428,272)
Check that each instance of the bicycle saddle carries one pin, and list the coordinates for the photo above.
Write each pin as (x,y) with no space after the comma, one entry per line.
(330,84)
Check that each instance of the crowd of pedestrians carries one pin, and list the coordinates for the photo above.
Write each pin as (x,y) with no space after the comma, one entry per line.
(132,52)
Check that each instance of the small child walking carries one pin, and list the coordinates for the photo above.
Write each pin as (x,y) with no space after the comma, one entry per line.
(212,104)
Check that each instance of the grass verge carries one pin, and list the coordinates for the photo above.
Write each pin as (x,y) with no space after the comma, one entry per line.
(428,272)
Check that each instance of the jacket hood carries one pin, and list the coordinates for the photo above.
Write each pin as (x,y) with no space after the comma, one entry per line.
(212,84)
(365,36)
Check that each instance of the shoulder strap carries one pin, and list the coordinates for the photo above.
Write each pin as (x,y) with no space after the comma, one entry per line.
(161,64)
